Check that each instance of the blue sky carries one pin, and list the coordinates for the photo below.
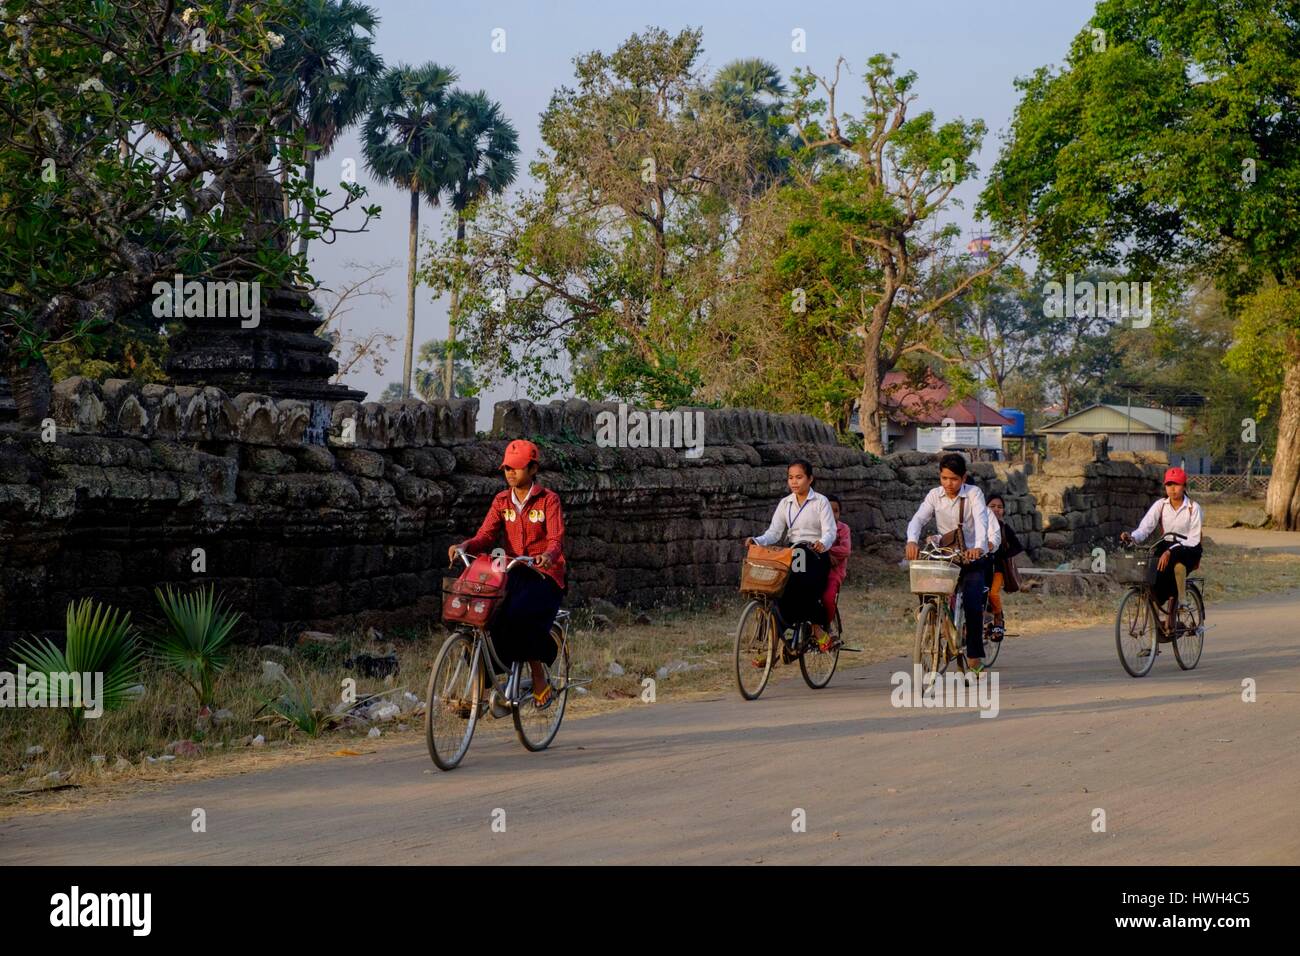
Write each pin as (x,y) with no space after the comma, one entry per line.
(967,56)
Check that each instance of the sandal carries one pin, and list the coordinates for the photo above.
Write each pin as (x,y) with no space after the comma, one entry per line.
(544,701)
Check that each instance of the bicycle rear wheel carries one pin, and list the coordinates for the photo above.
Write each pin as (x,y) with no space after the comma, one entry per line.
(1135,633)
(537,728)
(453,698)
(818,666)
(1190,643)
(755,648)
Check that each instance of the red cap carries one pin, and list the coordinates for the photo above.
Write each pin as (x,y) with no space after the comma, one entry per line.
(1176,475)
(518,454)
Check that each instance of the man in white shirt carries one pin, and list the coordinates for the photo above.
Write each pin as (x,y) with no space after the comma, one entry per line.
(956,504)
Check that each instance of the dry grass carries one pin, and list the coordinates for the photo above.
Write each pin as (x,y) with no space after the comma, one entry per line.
(1221,511)
(877,618)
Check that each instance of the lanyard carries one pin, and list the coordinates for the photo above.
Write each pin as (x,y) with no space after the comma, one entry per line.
(790,521)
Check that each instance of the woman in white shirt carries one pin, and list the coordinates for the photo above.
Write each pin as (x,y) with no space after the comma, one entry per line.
(805,517)
(953,505)
(1175,512)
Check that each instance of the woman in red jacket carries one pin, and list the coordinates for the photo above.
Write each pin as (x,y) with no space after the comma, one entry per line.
(533,525)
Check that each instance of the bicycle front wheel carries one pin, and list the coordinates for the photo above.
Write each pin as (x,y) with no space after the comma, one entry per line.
(755,648)
(925,651)
(952,649)
(537,728)
(1191,621)
(453,698)
(1135,633)
(818,666)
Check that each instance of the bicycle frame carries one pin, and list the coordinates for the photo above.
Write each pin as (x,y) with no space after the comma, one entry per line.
(949,607)
(779,626)
(493,667)
(1147,588)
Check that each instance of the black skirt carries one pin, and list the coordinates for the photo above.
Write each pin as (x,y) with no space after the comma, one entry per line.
(1165,584)
(521,629)
(802,599)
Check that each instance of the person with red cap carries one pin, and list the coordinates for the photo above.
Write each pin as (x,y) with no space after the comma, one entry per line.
(1174,559)
(530,520)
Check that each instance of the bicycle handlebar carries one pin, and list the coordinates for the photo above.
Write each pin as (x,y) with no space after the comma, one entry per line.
(524,559)
(1130,543)
(933,552)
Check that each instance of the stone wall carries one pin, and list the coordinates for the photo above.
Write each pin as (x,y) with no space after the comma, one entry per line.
(1087,496)
(354,530)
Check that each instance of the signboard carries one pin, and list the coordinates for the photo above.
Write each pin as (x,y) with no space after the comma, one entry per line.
(962,436)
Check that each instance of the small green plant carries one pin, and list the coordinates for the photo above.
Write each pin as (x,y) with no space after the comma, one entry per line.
(296,708)
(196,644)
(99,640)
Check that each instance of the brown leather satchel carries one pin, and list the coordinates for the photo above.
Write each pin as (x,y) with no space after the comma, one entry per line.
(765,570)
(956,538)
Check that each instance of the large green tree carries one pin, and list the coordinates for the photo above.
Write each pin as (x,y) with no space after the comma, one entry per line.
(602,278)
(1169,144)
(787,333)
(885,182)
(130,135)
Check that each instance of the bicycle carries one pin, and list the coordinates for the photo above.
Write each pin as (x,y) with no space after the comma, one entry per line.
(941,617)
(761,632)
(1141,625)
(469,681)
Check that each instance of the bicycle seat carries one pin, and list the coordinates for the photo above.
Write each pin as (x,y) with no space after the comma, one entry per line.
(561,614)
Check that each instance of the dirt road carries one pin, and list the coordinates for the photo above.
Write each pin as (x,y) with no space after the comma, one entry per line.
(1184,770)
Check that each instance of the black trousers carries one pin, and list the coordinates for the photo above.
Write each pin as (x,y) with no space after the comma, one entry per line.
(521,629)
(802,599)
(1166,585)
(973,585)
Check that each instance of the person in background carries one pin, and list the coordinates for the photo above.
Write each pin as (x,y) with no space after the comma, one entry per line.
(839,562)
(1003,573)
(1178,513)
(991,527)
(804,516)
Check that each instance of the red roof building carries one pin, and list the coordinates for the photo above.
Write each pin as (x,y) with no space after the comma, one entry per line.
(932,403)
(914,413)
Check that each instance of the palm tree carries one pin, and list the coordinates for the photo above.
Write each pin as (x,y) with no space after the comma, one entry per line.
(405,143)
(430,371)
(752,90)
(485,145)
(326,69)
